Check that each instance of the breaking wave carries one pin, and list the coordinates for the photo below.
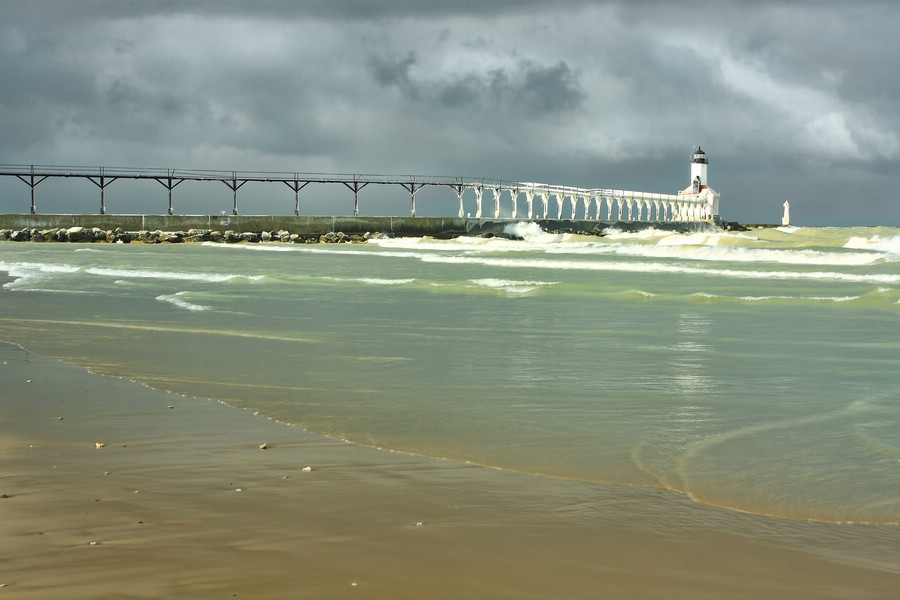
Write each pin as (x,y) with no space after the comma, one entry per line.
(171,275)
(28,273)
(373,280)
(656,267)
(888,245)
(511,286)
(178,300)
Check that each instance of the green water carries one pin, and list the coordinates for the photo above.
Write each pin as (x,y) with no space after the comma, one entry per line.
(753,371)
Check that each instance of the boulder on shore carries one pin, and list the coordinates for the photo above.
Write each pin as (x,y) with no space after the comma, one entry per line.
(78,234)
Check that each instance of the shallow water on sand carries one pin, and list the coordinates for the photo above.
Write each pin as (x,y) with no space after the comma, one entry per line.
(752,371)
(181,502)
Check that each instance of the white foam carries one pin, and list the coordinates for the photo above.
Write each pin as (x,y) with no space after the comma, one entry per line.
(724,254)
(791,257)
(177,300)
(889,245)
(28,273)
(377,281)
(710,248)
(532,232)
(612,233)
(373,280)
(835,298)
(459,244)
(706,296)
(688,239)
(172,275)
(258,247)
(512,286)
(656,267)
(815,298)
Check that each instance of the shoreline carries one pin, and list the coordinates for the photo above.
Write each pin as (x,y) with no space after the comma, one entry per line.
(180,500)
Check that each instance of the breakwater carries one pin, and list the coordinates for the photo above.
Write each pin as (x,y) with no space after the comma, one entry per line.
(249,228)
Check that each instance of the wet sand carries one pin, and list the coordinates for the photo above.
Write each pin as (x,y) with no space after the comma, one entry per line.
(181,502)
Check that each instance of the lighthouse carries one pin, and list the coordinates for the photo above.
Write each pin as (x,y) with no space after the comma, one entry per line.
(699,170)
(700,185)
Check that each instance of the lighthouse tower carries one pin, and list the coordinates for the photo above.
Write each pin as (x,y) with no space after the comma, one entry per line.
(699,170)
(700,186)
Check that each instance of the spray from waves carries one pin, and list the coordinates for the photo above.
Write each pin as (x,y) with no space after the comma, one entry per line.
(532,232)
(178,300)
(888,245)
(171,275)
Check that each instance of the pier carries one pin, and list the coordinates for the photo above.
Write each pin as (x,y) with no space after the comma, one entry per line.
(501,197)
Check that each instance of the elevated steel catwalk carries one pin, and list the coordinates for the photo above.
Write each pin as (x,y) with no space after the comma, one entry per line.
(620,204)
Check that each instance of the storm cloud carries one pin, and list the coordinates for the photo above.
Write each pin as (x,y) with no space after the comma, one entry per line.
(791,100)
(528,88)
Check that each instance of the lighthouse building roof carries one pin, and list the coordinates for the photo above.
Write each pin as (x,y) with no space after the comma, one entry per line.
(699,156)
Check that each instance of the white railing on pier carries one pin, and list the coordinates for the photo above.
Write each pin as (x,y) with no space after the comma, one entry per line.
(601,204)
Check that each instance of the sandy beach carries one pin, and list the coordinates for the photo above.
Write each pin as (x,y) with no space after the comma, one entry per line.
(114,490)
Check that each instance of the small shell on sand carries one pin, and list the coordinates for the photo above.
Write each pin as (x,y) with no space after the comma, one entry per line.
(307,469)
(263,446)
(99,444)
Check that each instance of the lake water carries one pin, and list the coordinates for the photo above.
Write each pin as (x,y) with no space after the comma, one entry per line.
(755,371)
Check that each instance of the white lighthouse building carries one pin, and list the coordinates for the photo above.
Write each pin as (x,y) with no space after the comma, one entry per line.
(699,187)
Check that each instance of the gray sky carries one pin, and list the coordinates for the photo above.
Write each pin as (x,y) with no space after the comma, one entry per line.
(791,100)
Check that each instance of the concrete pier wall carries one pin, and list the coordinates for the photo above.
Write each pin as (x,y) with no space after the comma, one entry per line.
(395,226)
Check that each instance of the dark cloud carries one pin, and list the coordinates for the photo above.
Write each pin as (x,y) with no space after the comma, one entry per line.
(791,99)
(280,9)
(528,88)
(542,89)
